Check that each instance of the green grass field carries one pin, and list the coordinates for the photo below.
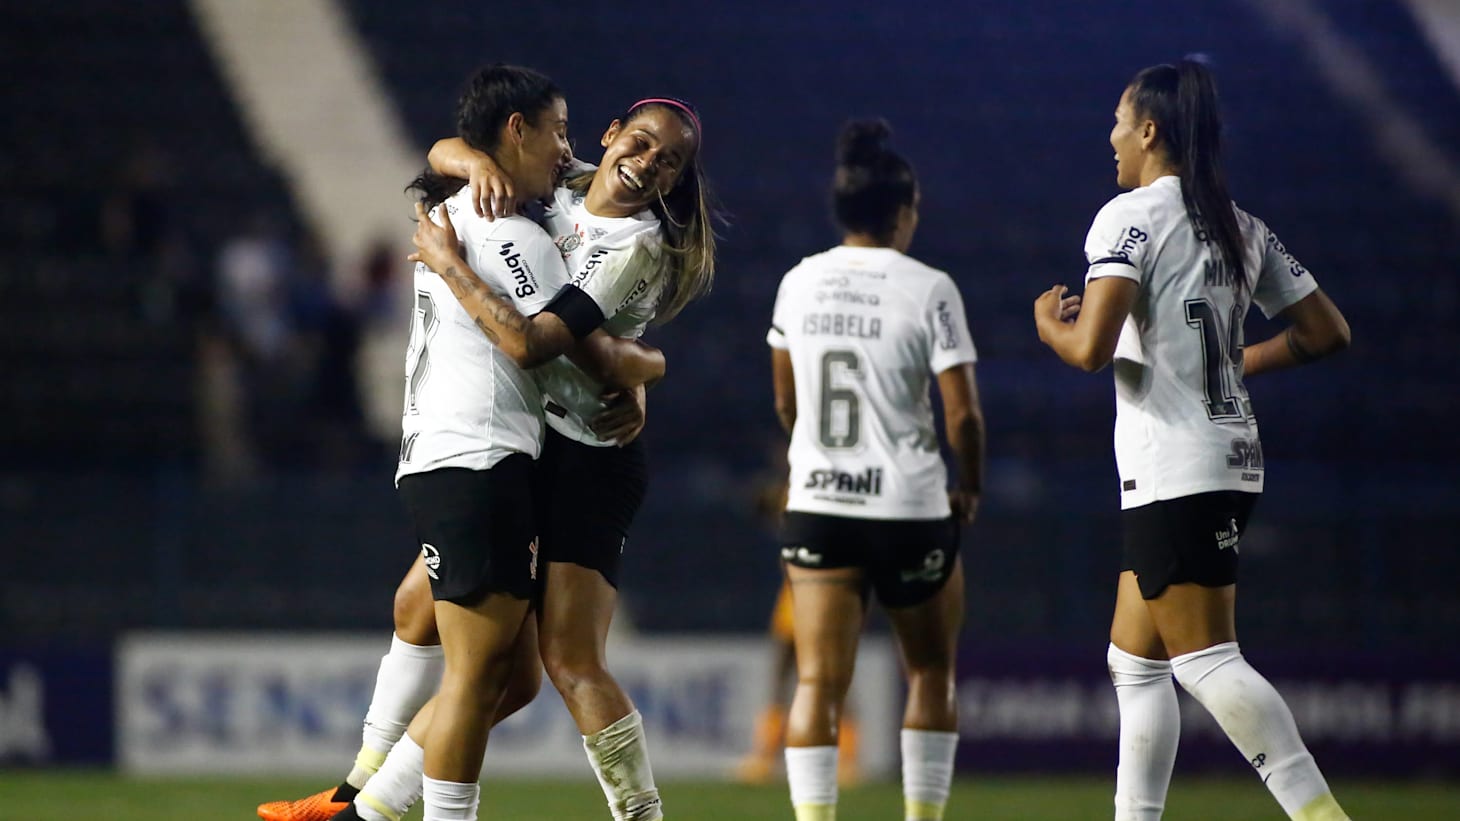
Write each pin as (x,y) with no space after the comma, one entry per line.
(50,796)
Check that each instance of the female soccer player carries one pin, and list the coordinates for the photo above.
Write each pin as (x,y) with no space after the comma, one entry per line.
(472,425)
(1173,267)
(856,333)
(638,234)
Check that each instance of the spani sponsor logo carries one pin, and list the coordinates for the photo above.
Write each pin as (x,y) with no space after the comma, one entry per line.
(866,483)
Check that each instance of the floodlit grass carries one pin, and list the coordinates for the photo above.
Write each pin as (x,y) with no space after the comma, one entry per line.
(72,796)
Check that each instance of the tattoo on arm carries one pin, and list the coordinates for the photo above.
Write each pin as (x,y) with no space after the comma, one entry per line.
(487,330)
(1300,353)
(499,312)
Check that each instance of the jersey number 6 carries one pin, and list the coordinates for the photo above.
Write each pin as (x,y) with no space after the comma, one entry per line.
(841,408)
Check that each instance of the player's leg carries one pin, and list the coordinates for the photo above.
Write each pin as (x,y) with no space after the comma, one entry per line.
(396,787)
(1150,718)
(824,561)
(591,496)
(770,725)
(923,591)
(409,674)
(477,636)
(476,529)
(577,608)
(829,609)
(1196,618)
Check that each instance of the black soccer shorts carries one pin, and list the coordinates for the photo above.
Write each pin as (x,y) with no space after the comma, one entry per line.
(475,529)
(906,561)
(587,498)
(1190,539)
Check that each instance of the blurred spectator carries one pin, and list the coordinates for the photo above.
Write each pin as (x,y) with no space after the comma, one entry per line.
(134,218)
(385,329)
(244,369)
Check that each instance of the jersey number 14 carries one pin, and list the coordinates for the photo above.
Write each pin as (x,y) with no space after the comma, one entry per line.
(1221,356)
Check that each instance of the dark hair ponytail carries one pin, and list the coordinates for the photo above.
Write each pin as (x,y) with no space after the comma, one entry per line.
(1182,101)
(491,96)
(872,181)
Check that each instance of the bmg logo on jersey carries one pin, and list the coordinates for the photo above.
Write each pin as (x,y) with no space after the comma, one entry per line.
(947,334)
(1130,242)
(525,284)
(638,290)
(595,259)
(866,483)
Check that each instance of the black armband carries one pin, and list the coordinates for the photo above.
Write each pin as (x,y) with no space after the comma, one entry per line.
(577,310)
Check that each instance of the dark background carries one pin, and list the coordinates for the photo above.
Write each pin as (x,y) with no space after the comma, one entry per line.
(125,170)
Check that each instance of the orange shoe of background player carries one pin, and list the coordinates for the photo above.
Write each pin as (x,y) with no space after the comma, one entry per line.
(318,807)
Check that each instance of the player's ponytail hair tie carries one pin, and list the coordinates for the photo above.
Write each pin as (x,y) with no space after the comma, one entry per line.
(680,105)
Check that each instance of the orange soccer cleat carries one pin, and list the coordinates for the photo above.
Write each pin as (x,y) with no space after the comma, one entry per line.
(321,806)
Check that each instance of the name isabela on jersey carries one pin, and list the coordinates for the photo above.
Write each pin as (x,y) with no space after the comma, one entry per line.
(853,325)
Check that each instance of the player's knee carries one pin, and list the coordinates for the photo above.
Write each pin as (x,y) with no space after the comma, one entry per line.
(825,680)
(931,674)
(415,613)
(573,671)
(522,688)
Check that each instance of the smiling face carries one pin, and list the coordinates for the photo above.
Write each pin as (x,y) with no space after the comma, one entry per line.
(1132,138)
(644,158)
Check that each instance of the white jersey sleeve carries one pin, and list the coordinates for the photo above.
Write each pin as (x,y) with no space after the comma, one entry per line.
(1119,240)
(947,327)
(616,271)
(780,317)
(1281,278)
(516,261)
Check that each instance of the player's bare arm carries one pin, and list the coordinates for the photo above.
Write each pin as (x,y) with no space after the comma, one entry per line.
(784,381)
(1316,329)
(492,194)
(1084,331)
(617,363)
(964,426)
(624,418)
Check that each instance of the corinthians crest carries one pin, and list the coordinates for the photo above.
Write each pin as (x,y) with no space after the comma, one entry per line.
(568,243)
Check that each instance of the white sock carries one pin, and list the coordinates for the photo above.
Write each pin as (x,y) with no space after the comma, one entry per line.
(619,755)
(450,800)
(1256,719)
(927,772)
(1150,726)
(811,772)
(409,675)
(397,786)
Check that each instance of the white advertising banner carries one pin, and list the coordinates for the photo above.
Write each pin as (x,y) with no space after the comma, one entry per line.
(270,703)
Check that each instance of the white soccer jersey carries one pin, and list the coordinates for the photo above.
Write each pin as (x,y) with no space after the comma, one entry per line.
(1184,423)
(616,261)
(467,404)
(866,329)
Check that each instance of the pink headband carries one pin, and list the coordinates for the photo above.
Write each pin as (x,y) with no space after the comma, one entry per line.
(673,104)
